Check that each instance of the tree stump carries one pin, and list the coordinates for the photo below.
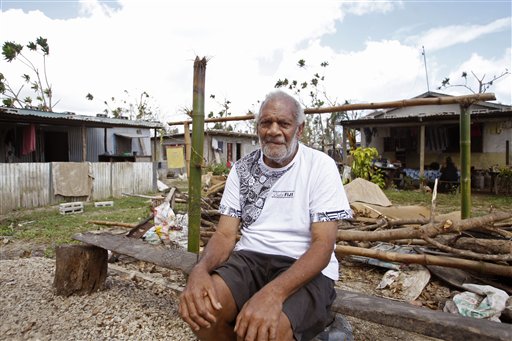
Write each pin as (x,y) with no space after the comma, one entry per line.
(79,269)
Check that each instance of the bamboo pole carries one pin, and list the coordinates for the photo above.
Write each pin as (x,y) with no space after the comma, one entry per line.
(465,162)
(429,229)
(196,157)
(367,106)
(422,156)
(483,267)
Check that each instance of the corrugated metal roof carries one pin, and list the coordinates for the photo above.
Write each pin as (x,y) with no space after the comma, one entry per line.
(131,135)
(437,117)
(67,116)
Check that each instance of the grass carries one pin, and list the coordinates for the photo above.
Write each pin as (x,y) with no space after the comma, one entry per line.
(48,227)
(480,203)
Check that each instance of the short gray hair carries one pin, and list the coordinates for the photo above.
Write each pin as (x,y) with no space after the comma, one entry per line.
(281,95)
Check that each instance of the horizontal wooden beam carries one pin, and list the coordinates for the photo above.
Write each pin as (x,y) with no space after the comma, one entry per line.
(467,99)
(366,307)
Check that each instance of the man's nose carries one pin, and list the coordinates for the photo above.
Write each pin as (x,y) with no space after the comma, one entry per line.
(274,128)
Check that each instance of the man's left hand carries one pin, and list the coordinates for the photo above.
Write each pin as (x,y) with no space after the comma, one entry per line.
(259,318)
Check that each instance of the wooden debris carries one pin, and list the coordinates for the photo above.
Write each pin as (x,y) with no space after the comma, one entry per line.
(111,223)
(380,310)
(80,269)
(488,268)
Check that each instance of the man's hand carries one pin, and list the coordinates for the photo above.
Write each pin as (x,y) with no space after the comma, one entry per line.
(198,300)
(259,318)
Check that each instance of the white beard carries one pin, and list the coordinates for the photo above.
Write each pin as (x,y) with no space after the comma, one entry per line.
(281,153)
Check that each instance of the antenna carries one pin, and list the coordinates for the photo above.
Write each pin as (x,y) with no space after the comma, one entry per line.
(425,62)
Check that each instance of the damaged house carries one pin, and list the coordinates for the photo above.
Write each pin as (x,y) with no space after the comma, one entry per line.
(420,136)
(48,158)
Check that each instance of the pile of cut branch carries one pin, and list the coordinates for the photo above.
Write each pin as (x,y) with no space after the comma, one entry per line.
(482,244)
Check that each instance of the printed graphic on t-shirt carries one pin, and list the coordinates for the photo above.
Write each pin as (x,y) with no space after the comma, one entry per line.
(283,194)
(255,185)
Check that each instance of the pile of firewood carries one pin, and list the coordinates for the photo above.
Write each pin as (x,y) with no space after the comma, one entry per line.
(482,244)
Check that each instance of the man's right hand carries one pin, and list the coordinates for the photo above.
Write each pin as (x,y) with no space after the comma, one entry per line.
(198,300)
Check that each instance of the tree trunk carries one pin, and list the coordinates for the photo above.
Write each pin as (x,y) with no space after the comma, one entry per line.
(80,269)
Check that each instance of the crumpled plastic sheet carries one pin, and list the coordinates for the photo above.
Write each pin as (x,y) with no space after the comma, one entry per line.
(480,301)
(168,227)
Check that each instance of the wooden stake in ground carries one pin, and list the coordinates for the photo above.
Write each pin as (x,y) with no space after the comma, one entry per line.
(79,269)
(196,163)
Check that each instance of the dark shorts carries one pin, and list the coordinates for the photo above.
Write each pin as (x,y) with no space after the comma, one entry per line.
(308,309)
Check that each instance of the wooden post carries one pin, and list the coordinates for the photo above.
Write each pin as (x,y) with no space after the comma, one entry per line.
(422,155)
(155,143)
(79,269)
(344,145)
(188,148)
(84,143)
(196,159)
(507,153)
(465,161)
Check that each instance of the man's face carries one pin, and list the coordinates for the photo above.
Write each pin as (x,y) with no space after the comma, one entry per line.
(278,133)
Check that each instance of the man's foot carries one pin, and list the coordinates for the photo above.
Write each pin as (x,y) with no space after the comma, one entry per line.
(339,330)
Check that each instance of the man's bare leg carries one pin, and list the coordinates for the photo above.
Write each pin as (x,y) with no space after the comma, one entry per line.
(223,328)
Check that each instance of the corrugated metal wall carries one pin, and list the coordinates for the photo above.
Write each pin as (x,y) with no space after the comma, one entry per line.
(33,183)
(29,185)
(95,143)
(101,182)
(74,143)
(9,188)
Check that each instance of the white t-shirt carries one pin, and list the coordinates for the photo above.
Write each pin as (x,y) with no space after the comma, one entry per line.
(278,205)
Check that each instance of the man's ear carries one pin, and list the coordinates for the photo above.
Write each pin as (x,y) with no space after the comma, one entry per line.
(300,130)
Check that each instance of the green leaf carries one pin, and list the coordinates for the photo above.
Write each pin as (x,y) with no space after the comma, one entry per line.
(43,43)
(32,46)
(10,50)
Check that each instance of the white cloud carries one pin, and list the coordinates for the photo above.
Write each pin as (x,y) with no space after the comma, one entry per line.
(150,46)
(485,70)
(443,37)
(361,7)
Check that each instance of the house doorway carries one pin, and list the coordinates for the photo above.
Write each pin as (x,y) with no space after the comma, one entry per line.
(56,146)
(238,151)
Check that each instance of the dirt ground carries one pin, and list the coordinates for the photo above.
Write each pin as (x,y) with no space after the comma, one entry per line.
(24,267)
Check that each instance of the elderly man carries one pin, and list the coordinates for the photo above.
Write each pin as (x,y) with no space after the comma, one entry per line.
(277,281)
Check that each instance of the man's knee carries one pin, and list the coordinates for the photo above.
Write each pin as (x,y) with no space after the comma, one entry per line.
(224,317)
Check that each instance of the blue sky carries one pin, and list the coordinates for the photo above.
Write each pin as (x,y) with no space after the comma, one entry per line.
(373,48)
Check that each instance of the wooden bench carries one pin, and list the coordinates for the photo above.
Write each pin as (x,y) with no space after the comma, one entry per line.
(383,311)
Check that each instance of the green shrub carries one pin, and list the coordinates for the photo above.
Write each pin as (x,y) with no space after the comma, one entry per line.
(217,169)
(362,166)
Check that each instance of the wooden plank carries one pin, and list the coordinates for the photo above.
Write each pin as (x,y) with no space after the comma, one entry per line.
(137,248)
(423,321)
(366,307)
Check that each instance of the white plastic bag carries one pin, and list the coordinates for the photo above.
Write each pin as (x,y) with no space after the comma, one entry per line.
(481,301)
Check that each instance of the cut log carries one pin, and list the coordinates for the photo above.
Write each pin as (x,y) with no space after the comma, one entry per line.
(489,246)
(380,310)
(79,269)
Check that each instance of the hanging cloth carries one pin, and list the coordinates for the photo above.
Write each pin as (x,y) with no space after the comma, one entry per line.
(29,139)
